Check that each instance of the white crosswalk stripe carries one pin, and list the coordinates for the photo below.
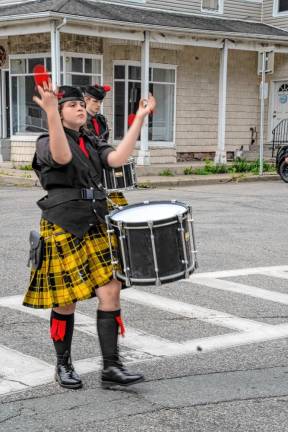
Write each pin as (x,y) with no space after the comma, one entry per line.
(19,371)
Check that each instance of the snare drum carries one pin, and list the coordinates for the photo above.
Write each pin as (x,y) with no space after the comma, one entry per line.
(156,242)
(121,178)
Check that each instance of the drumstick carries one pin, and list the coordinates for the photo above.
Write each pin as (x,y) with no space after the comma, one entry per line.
(40,75)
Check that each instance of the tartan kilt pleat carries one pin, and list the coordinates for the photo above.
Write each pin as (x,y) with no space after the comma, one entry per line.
(72,268)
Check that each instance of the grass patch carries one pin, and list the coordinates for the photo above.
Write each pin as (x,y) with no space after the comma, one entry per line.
(166,173)
(238,166)
(25,167)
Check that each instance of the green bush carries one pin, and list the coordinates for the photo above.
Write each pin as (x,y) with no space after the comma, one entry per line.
(25,167)
(188,171)
(166,172)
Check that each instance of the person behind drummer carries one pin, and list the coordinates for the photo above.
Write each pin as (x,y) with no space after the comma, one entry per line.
(93,96)
(76,263)
(98,125)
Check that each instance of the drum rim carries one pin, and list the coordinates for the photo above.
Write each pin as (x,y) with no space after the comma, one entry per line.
(145,223)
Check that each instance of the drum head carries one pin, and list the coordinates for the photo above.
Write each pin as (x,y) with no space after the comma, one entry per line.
(143,212)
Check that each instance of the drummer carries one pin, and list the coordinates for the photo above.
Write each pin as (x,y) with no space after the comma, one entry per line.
(94,96)
(76,263)
(97,123)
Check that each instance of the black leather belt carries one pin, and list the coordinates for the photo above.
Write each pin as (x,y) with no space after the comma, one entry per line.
(62,195)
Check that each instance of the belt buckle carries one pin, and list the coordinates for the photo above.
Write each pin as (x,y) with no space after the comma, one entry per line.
(87,194)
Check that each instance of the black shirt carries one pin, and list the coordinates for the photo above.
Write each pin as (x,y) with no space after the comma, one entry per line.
(75,216)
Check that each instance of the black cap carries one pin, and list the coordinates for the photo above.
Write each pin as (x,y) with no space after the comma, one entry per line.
(69,93)
(98,92)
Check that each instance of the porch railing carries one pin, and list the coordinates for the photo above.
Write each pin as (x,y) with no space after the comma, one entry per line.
(279,136)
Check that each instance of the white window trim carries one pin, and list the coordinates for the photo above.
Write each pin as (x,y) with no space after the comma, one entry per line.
(168,144)
(220,11)
(276,8)
(33,136)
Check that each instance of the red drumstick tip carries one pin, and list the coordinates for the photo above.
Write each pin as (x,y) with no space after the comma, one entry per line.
(40,75)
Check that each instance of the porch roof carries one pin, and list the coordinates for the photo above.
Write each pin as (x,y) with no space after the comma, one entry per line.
(138,17)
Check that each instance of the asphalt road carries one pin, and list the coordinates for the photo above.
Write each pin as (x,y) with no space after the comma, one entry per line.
(214,349)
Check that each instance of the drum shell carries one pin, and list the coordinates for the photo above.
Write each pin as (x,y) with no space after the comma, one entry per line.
(120,178)
(138,250)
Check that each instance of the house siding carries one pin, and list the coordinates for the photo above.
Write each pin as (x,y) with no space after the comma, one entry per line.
(281,21)
(235,9)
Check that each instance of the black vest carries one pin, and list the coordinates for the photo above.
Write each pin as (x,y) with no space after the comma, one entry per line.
(76,215)
(103,126)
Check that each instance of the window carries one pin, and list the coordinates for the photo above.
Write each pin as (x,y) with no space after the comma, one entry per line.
(282,5)
(81,70)
(127,93)
(26,115)
(214,6)
(76,69)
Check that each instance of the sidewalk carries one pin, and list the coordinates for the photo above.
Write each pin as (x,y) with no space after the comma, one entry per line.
(10,176)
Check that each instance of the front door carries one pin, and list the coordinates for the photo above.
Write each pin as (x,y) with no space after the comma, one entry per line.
(280,111)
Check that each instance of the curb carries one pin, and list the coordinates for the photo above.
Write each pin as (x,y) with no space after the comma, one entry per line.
(149,182)
(204,181)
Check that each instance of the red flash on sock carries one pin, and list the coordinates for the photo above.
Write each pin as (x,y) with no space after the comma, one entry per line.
(120,324)
(58,330)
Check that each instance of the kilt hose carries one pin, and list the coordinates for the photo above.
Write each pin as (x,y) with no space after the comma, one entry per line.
(72,268)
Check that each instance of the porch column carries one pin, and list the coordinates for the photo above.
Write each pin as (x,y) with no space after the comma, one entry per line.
(56,52)
(220,156)
(144,154)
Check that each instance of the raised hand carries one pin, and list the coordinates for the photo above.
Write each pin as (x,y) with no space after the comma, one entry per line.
(48,99)
(146,106)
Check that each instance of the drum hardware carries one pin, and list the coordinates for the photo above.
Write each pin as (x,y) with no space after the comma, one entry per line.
(185,261)
(190,221)
(150,225)
(125,267)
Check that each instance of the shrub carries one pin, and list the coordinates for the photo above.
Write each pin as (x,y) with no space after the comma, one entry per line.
(166,172)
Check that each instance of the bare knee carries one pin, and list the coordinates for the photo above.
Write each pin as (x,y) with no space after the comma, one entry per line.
(109,296)
(65,310)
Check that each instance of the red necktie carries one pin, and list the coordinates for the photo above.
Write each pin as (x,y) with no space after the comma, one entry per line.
(96,126)
(83,146)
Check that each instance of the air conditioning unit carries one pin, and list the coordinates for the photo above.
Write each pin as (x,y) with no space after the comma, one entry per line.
(269,62)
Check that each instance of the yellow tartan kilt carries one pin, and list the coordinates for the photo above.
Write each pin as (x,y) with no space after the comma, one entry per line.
(72,268)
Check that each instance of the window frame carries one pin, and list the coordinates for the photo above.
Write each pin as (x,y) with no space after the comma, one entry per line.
(22,135)
(127,63)
(220,10)
(276,12)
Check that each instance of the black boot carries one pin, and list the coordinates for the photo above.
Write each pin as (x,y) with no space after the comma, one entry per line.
(61,329)
(113,372)
(65,374)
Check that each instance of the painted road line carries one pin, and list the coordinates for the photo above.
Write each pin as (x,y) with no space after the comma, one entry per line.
(232,340)
(21,371)
(237,272)
(188,310)
(134,339)
(272,273)
(238,288)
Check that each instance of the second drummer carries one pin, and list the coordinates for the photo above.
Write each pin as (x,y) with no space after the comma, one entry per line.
(98,125)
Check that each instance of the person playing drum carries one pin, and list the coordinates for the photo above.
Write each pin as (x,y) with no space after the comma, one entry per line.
(96,121)
(76,263)
(98,125)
